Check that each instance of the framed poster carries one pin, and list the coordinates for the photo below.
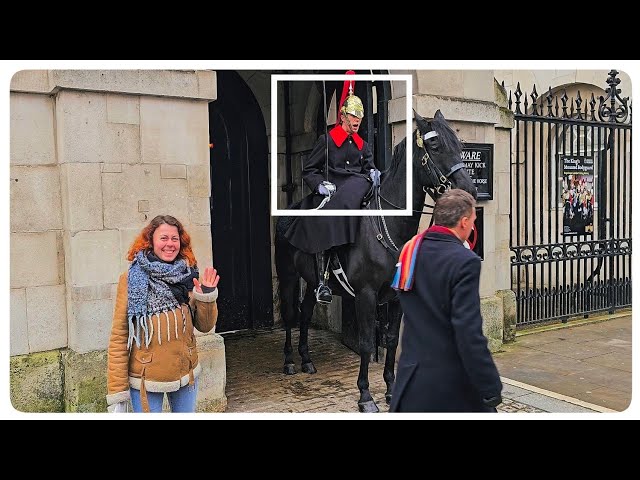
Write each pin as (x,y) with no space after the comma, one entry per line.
(478,161)
(578,195)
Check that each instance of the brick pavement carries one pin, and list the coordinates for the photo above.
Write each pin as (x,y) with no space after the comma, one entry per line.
(255,382)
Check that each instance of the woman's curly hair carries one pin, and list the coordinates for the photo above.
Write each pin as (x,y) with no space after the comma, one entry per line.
(144,241)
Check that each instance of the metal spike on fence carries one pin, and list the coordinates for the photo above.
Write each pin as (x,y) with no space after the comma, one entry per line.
(510,102)
(518,94)
(592,104)
(549,103)
(534,101)
(564,99)
(579,105)
(571,108)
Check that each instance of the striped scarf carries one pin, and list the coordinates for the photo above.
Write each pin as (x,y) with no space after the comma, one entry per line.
(405,268)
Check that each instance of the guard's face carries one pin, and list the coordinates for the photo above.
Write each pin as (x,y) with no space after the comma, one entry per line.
(351,122)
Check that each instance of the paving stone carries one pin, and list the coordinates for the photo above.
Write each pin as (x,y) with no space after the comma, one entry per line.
(256,383)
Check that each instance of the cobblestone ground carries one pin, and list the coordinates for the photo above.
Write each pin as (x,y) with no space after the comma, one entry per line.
(511,406)
(256,383)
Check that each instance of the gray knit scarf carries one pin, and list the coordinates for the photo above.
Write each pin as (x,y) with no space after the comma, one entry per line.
(149,294)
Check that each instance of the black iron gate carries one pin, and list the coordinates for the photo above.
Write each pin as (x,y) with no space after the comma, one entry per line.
(570,234)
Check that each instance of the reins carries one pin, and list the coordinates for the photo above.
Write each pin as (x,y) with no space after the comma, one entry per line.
(326,146)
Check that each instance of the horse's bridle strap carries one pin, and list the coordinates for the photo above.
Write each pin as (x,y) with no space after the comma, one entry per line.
(429,135)
(454,169)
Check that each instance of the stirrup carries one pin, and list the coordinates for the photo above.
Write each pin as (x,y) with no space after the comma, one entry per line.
(323,294)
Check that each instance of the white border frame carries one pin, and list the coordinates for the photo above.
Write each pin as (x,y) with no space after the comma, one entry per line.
(275,211)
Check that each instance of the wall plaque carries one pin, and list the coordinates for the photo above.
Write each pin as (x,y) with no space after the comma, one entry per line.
(478,161)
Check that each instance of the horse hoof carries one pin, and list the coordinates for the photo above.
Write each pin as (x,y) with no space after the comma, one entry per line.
(289,369)
(368,407)
(308,367)
(387,398)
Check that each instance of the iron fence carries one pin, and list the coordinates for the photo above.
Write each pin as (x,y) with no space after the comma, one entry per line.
(571,206)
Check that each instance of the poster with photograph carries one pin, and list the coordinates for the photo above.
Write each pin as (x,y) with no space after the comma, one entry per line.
(578,196)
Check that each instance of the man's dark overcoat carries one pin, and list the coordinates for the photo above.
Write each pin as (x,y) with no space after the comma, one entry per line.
(445,364)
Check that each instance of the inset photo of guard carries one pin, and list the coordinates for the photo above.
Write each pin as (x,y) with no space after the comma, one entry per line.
(334,137)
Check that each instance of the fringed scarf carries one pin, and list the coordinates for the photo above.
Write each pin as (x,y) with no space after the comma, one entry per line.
(405,268)
(149,291)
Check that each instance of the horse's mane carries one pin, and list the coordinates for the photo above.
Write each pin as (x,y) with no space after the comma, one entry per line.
(448,137)
(399,154)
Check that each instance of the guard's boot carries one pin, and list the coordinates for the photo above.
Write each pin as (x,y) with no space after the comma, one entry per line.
(323,292)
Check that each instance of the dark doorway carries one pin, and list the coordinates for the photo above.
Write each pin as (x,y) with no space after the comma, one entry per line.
(240,206)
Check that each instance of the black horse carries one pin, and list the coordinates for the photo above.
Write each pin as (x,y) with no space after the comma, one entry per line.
(370,262)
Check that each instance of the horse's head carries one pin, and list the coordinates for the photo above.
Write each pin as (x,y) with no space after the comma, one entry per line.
(436,156)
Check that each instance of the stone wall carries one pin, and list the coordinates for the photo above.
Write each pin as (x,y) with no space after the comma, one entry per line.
(94,156)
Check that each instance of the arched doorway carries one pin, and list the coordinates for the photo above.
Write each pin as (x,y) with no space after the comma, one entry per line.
(240,235)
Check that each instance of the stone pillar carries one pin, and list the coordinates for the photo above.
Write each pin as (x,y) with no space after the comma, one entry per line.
(38,294)
(95,155)
(475,106)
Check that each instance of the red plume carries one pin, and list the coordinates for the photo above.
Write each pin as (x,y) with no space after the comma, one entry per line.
(345,92)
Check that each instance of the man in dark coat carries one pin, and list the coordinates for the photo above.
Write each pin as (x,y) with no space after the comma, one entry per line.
(350,168)
(445,364)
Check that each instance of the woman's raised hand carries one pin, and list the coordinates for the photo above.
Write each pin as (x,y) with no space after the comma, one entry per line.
(210,278)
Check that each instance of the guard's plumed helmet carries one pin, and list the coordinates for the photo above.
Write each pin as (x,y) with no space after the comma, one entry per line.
(353,105)
(349,102)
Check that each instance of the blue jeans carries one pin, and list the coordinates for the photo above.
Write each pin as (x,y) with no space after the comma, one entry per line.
(182,400)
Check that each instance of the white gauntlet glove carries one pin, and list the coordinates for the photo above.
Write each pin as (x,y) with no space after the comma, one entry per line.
(326,188)
(374,175)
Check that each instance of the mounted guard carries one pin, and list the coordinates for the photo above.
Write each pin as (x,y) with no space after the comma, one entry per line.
(339,172)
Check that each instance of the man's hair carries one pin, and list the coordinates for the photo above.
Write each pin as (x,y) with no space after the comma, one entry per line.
(452,206)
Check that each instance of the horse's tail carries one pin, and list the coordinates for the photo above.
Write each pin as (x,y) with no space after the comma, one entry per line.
(288,280)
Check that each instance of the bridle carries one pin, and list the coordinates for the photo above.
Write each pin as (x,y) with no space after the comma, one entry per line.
(440,180)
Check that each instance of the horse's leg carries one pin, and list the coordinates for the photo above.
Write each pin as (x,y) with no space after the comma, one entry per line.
(393,330)
(306,312)
(366,318)
(289,310)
